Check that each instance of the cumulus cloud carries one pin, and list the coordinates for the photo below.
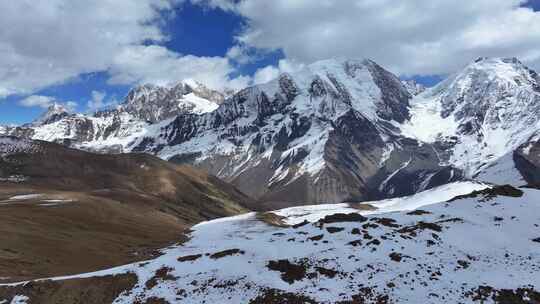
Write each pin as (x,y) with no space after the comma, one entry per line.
(43,43)
(37,101)
(97,101)
(270,72)
(408,37)
(158,65)
(45,102)
(239,54)
(48,42)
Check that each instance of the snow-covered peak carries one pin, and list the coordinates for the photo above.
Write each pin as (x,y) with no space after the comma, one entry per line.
(54,113)
(202,91)
(503,73)
(157,103)
(486,110)
(331,87)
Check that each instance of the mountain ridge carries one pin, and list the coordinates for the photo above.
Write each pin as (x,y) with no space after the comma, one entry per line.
(336,130)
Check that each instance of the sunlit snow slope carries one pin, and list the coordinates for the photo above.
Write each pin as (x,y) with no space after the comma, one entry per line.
(473,248)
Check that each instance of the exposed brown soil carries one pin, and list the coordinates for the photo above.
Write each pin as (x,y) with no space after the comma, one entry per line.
(316,238)
(504,296)
(388,222)
(342,217)
(224,253)
(418,212)
(88,234)
(362,206)
(355,243)
(490,193)
(97,290)
(272,219)
(274,296)
(334,229)
(367,295)
(296,226)
(290,272)
(153,300)
(162,274)
(189,258)
(420,226)
(98,211)
(330,273)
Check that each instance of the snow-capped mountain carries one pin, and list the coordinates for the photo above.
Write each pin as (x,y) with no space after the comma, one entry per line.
(481,114)
(54,113)
(144,109)
(337,130)
(326,133)
(154,103)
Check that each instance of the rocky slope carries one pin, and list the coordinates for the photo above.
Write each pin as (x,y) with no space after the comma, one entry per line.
(377,252)
(111,130)
(324,134)
(413,87)
(68,211)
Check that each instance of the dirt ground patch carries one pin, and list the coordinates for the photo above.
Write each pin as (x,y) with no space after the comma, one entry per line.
(290,272)
(98,211)
(98,290)
(274,296)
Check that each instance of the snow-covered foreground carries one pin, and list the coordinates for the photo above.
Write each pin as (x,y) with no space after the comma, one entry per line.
(463,250)
(313,213)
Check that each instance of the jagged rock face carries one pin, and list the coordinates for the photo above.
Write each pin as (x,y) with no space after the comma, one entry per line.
(413,87)
(145,109)
(481,113)
(54,113)
(154,103)
(527,161)
(475,102)
(323,134)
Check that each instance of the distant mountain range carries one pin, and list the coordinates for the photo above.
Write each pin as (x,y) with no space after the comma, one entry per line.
(335,131)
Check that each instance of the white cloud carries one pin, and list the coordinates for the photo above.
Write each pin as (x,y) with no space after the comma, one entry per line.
(37,101)
(50,42)
(70,105)
(239,54)
(45,102)
(408,37)
(97,100)
(158,65)
(265,74)
(268,73)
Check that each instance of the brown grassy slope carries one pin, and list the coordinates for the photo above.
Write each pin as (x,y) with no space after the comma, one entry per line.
(114,209)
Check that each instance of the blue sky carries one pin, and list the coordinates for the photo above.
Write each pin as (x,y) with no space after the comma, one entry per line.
(168,40)
(193,30)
